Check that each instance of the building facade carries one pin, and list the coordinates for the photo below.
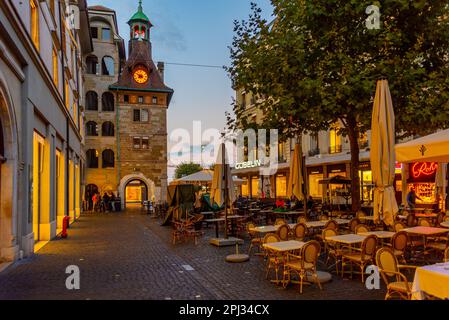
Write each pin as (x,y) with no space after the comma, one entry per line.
(103,67)
(327,155)
(41,121)
(127,143)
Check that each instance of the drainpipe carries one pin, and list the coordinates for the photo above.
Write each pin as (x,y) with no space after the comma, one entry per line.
(67,163)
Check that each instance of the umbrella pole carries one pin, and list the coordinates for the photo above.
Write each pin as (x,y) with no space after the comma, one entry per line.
(226,190)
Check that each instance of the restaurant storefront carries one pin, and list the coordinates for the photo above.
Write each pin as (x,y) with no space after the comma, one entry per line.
(422,177)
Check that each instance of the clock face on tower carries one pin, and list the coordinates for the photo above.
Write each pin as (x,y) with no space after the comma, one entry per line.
(140,76)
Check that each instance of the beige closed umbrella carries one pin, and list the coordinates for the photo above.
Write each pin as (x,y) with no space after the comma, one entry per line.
(296,179)
(383,155)
(222,189)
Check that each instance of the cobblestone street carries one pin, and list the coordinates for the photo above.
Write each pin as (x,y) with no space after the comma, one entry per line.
(129,256)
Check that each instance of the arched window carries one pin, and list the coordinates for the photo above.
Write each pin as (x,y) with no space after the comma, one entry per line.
(108,159)
(107,129)
(92,159)
(108,66)
(92,65)
(91,129)
(92,101)
(107,101)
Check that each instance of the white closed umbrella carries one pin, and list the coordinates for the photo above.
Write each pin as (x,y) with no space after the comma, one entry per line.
(383,157)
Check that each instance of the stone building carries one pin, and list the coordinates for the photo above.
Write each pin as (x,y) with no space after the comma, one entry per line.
(103,67)
(131,160)
(41,106)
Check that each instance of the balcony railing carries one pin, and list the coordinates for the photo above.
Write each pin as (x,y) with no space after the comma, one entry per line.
(335,149)
(314,152)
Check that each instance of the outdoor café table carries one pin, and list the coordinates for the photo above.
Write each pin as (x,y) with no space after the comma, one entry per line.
(265,229)
(426,215)
(216,221)
(348,239)
(382,235)
(432,280)
(291,214)
(445,224)
(285,247)
(426,231)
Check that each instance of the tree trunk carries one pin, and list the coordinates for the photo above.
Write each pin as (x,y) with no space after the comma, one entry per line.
(353,134)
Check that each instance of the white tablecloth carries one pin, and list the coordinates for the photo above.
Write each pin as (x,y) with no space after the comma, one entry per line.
(433,280)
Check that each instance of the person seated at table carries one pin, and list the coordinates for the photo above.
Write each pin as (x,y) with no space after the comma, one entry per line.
(411,198)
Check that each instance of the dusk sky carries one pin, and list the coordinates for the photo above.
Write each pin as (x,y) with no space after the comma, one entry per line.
(192,32)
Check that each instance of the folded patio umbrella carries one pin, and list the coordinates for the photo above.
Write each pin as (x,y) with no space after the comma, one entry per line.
(383,155)
(222,189)
(296,179)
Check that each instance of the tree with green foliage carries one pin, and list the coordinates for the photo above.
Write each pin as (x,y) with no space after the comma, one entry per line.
(318,63)
(186,169)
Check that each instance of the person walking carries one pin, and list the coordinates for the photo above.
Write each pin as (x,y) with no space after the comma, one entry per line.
(412,197)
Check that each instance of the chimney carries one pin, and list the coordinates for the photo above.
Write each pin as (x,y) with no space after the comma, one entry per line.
(161,69)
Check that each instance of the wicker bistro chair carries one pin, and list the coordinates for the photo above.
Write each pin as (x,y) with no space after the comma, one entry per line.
(302,220)
(446,255)
(399,226)
(332,251)
(323,217)
(361,258)
(440,219)
(424,223)
(353,224)
(331,224)
(438,246)
(300,232)
(305,264)
(396,282)
(255,240)
(283,232)
(280,221)
(399,244)
(361,228)
(274,260)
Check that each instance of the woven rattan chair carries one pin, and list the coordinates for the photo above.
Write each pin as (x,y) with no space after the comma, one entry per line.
(302,220)
(399,226)
(361,228)
(280,221)
(331,249)
(396,282)
(399,244)
(438,247)
(274,260)
(300,232)
(362,258)
(446,255)
(424,223)
(323,217)
(305,264)
(360,214)
(332,224)
(353,224)
(256,241)
(440,219)
(283,232)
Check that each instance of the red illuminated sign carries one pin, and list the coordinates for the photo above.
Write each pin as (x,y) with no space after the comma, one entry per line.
(421,169)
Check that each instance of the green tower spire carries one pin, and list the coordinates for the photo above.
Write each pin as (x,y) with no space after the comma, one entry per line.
(139,15)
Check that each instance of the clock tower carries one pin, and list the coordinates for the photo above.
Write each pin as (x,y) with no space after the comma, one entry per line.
(142,102)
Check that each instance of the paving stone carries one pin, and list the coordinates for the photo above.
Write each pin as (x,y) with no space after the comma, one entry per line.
(130,256)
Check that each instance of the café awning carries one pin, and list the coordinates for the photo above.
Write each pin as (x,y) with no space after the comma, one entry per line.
(431,148)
